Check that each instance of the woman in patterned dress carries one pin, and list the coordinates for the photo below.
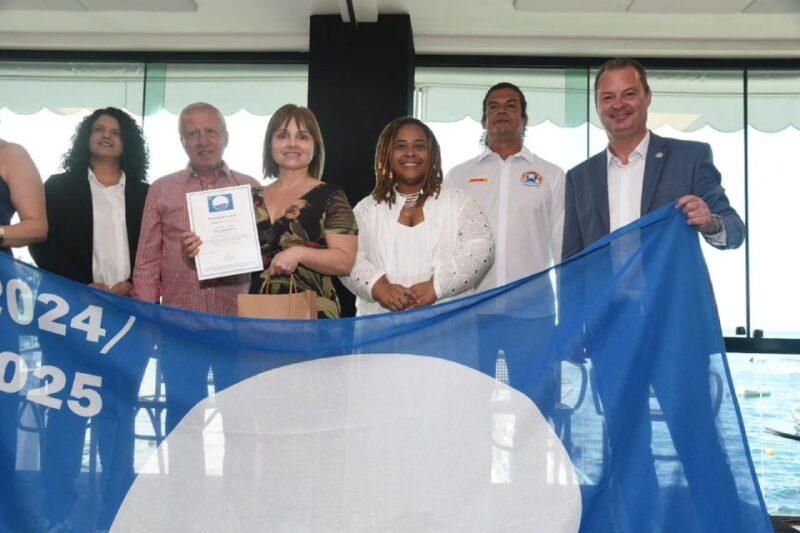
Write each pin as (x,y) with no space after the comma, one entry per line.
(305,226)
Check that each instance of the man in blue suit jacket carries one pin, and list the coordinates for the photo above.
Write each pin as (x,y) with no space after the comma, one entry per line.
(673,171)
(638,173)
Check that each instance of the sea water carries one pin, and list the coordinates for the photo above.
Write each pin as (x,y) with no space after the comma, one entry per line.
(777,459)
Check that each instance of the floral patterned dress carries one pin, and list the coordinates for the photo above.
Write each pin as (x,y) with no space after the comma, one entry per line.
(322,210)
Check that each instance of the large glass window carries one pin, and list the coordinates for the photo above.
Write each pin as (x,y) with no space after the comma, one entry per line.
(42,103)
(773,136)
(767,389)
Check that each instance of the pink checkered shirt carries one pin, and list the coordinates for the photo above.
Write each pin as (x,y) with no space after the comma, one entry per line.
(162,271)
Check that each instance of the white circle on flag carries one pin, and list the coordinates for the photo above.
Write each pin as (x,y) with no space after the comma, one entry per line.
(379,442)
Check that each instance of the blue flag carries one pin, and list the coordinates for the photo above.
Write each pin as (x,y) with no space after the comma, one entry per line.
(486,413)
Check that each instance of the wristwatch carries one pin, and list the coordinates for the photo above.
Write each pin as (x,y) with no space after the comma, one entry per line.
(719,225)
(2,235)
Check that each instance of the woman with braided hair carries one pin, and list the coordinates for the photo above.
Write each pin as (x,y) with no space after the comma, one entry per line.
(418,244)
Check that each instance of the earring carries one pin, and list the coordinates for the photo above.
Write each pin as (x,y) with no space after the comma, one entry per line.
(391,176)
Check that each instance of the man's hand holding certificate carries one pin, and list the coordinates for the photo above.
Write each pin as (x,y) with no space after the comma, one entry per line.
(225,221)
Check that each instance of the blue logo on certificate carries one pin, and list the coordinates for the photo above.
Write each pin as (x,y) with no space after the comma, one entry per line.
(220,202)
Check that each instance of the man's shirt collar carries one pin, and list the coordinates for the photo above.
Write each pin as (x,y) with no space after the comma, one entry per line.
(524,153)
(640,151)
(222,172)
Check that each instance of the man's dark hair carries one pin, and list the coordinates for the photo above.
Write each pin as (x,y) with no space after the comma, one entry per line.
(619,63)
(522,103)
(504,85)
(135,158)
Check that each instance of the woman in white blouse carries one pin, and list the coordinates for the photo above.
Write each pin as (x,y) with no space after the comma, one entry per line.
(418,244)
(94,211)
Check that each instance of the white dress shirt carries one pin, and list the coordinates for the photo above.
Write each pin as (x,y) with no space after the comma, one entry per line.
(111,260)
(523,198)
(625,184)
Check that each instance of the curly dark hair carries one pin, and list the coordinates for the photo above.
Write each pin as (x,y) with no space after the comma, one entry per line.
(384,176)
(135,156)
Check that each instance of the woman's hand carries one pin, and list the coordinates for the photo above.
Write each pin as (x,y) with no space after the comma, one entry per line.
(286,262)
(392,296)
(123,288)
(190,244)
(423,293)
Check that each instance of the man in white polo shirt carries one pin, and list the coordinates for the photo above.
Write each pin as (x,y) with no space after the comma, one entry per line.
(521,193)
(523,198)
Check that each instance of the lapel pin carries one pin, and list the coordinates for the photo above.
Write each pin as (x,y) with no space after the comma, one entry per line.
(659,155)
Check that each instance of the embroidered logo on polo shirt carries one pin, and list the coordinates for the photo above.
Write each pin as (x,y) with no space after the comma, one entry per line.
(531,179)
(477,180)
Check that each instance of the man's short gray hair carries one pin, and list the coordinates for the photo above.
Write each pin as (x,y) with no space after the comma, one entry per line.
(197,106)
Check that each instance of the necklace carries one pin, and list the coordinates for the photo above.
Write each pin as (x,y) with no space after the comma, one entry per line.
(409,200)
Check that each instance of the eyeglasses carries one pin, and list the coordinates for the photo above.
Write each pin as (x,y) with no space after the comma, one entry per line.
(194,135)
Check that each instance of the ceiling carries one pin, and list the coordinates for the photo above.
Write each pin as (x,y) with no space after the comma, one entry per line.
(690,28)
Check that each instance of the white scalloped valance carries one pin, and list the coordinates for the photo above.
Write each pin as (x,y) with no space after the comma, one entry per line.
(67,88)
(686,100)
(258,89)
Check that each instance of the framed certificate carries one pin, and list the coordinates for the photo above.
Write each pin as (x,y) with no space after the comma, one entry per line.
(226,222)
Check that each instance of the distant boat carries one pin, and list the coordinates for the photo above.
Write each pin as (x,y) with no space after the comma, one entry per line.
(755,393)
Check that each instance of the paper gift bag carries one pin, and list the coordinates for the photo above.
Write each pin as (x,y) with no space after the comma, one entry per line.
(293,306)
